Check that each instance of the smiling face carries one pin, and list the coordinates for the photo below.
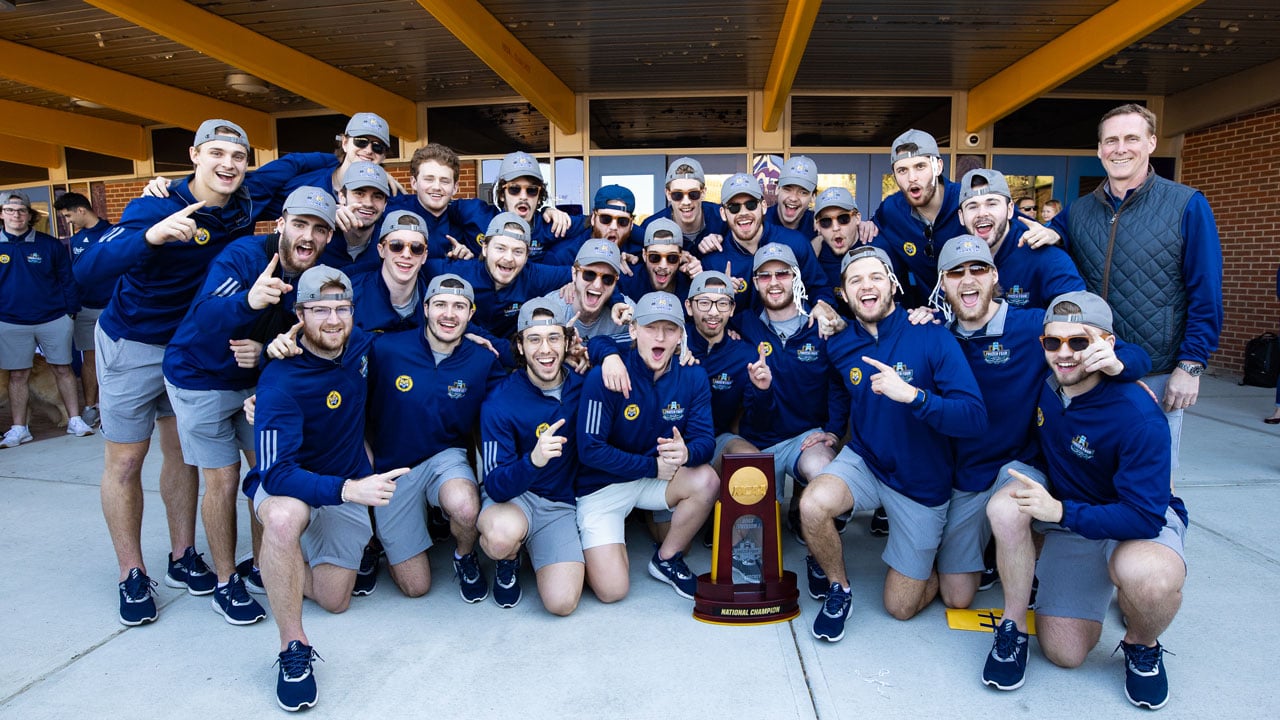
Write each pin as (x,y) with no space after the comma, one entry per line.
(521,196)
(1124,147)
(987,216)
(608,223)
(657,342)
(367,203)
(593,295)
(746,224)
(868,288)
(219,168)
(447,318)
(775,281)
(434,184)
(324,329)
(1065,363)
(793,201)
(662,263)
(686,211)
(302,239)
(839,237)
(917,178)
(504,257)
(543,348)
(402,268)
(353,153)
(17,218)
(970,295)
(710,313)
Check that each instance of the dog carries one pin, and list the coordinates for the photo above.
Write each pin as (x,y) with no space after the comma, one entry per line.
(42,390)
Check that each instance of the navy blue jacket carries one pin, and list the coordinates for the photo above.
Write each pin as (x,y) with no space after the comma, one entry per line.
(902,233)
(731,389)
(36,285)
(98,295)
(498,310)
(713,224)
(740,262)
(1031,278)
(374,311)
(337,256)
(806,220)
(464,221)
(511,420)
(801,381)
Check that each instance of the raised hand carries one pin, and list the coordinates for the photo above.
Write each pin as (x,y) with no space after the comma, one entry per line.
(550,445)
(175,228)
(268,289)
(888,383)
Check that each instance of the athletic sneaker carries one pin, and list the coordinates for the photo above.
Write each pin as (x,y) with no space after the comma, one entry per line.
(675,573)
(251,575)
(78,427)
(1145,682)
(471,582)
(1006,667)
(506,583)
(438,525)
(990,576)
(829,625)
(191,573)
(296,685)
(367,575)
(137,603)
(880,523)
(90,415)
(17,435)
(233,603)
(818,582)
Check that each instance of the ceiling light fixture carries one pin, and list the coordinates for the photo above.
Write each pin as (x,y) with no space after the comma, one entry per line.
(81,102)
(246,83)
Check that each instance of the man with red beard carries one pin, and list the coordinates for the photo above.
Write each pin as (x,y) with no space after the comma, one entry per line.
(796,185)
(697,219)
(667,268)
(522,191)
(612,218)
(361,202)
(836,220)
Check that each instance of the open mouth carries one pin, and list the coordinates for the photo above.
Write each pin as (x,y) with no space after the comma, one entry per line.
(546,362)
(304,252)
(983,228)
(969,298)
(658,353)
(868,301)
(591,299)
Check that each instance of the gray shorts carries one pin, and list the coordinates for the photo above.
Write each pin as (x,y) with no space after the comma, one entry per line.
(131,393)
(601,514)
(785,456)
(85,322)
(211,425)
(336,534)
(968,530)
(1157,384)
(402,524)
(917,528)
(1074,572)
(553,529)
(18,343)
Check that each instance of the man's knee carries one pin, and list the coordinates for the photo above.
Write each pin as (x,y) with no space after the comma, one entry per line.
(957,589)
(824,498)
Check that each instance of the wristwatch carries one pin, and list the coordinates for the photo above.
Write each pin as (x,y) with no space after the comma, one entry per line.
(1194,369)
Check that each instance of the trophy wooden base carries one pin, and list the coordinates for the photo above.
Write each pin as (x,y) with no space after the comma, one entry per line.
(747,604)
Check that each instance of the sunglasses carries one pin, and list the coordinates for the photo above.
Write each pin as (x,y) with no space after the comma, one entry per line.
(589,276)
(621,221)
(736,207)
(669,258)
(976,269)
(705,304)
(1028,209)
(678,195)
(397,246)
(929,249)
(1077,343)
(843,218)
(529,190)
(377,146)
(769,275)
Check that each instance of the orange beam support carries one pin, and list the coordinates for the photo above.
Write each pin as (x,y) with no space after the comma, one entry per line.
(80,131)
(793,37)
(29,152)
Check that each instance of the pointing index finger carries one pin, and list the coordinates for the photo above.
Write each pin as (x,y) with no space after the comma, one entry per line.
(293,331)
(186,211)
(271,266)
(876,364)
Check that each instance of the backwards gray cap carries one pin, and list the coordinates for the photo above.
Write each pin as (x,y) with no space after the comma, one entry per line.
(437,287)
(209,131)
(363,174)
(12,196)
(403,220)
(316,278)
(771,252)
(599,251)
(740,184)
(699,286)
(963,249)
(519,164)
(836,197)
(559,313)
(801,171)
(913,143)
(663,225)
(498,227)
(989,182)
(1093,310)
(865,251)
(673,171)
(367,124)
(656,306)
(310,200)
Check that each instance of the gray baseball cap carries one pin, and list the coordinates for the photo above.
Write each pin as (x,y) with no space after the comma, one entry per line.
(865,251)
(697,174)
(699,284)
(599,251)
(209,131)
(771,252)
(913,143)
(989,182)
(367,124)
(1093,310)
(663,225)
(403,220)
(799,170)
(519,164)
(740,184)
(310,200)
(656,306)
(15,196)
(316,278)
(437,287)
(963,249)
(836,197)
(362,174)
(498,227)
(559,313)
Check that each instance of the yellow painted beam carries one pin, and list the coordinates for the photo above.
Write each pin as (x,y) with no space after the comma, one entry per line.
(274,62)
(496,47)
(793,37)
(107,137)
(1080,48)
(127,93)
(29,152)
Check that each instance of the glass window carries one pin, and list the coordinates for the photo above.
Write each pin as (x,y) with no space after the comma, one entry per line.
(171,150)
(490,129)
(1058,123)
(86,164)
(634,123)
(317,133)
(874,121)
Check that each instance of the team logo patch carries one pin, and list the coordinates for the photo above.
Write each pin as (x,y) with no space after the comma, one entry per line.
(721,382)
(458,389)
(855,375)
(511,310)
(672,412)
(35,259)
(480,238)
(766,348)
(807,353)
(1018,296)
(995,354)
(909,249)
(1080,446)
(202,236)
(631,412)
(4,259)
(541,429)
(904,372)
(404,383)
(1039,417)
(334,400)
(364,366)
(739,285)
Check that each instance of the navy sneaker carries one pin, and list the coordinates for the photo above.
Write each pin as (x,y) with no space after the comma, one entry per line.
(506,583)
(137,603)
(367,574)
(191,573)
(880,523)
(990,576)
(1006,667)
(829,625)
(818,582)
(1145,682)
(233,603)
(296,685)
(251,576)
(675,573)
(471,582)
(438,525)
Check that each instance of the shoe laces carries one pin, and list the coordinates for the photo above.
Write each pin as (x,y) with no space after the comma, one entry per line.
(467,568)
(193,562)
(506,572)
(836,600)
(811,563)
(296,659)
(1142,659)
(137,586)
(236,592)
(1006,645)
(676,565)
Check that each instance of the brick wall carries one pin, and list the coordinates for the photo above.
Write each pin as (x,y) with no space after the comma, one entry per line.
(1236,164)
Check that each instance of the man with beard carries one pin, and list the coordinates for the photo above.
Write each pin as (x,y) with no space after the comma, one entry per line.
(905,391)
(596,269)
(1029,277)
(522,191)
(527,430)
(698,219)
(361,202)
(425,391)
(1111,522)
(315,481)
(667,268)
(612,218)
(796,185)
(836,220)
(211,367)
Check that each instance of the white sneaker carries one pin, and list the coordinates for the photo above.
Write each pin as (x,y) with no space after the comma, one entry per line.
(17,435)
(78,427)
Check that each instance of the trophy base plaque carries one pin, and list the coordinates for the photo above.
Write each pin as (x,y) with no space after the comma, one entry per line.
(741,604)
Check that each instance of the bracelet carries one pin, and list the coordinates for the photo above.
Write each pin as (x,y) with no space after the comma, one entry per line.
(343,494)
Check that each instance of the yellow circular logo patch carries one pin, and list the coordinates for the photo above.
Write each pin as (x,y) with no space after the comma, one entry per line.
(739,285)
(404,383)
(909,249)
(4,259)
(748,485)
(766,348)
(1039,417)
(334,400)
(631,412)
(201,236)
(855,375)
(541,429)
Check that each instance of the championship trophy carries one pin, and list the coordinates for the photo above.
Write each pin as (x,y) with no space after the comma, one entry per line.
(747,585)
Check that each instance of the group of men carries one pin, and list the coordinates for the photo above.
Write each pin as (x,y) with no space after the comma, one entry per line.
(350,356)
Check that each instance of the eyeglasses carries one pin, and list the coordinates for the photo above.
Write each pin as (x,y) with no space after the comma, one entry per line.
(929,249)
(589,276)
(378,147)
(1077,343)
(659,258)
(736,207)
(976,269)
(621,221)
(678,195)
(16,211)
(705,304)
(397,246)
(769,275)
(529,190)
(842,218)
(323,312)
